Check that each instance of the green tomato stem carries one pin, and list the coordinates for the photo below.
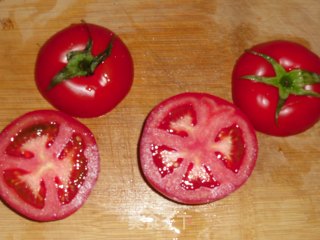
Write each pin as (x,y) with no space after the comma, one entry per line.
(81,63)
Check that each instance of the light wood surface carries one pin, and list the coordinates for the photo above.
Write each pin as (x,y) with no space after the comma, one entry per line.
(177,46)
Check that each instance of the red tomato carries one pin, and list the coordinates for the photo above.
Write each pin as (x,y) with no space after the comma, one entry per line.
(49,164)
(197,148)
(277,85)
(84,70)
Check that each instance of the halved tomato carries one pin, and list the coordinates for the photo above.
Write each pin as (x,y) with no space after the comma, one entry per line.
(197,148)
(49,163)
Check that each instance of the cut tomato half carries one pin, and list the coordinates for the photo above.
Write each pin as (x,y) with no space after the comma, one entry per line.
(196,148)
(49,163)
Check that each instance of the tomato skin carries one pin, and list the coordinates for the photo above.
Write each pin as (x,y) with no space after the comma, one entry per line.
(87,96)
(259,101)
(186,160)
(50,208)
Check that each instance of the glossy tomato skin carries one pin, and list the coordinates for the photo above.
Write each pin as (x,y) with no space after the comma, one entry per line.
(51,155)
(196,148)
(87,96)
(259,101)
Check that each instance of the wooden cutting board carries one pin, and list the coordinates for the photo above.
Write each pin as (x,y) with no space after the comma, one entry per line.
(177,46)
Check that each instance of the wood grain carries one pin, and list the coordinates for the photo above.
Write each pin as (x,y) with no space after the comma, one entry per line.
(177,46)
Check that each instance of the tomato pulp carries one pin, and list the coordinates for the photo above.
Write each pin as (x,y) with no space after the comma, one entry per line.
(84,70)
(197,148)
(49,163)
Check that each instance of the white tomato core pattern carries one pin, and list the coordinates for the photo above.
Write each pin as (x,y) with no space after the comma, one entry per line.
(196,148)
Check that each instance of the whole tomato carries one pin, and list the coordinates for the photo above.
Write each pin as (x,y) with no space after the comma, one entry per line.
(277,85)
(84,70)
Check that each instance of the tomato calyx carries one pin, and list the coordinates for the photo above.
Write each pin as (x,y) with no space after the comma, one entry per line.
(292,82)
(81,63)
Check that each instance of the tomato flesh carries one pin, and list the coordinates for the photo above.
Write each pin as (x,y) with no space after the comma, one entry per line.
(197,148)
(14,148)
(75,151)
(174,122)
(164,159)
(195,178)
(48,166)
(14,179)
(233,160)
